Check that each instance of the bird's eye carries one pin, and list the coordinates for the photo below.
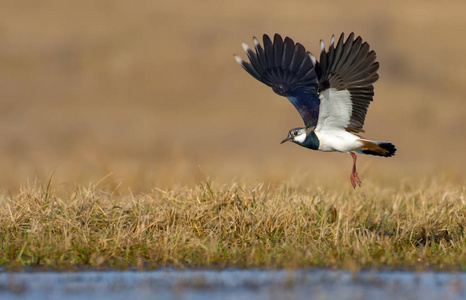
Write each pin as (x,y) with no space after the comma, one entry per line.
(295,133)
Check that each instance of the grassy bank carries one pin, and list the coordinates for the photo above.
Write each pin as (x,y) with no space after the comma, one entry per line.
(209,225)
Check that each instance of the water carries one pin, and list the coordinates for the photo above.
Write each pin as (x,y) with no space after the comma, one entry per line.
(232,284)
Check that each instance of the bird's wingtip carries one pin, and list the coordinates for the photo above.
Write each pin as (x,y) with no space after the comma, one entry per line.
(255,40)
(238,59)
(312,57)
(245,47)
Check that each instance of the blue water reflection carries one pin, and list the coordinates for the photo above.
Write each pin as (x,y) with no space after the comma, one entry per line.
(233,284)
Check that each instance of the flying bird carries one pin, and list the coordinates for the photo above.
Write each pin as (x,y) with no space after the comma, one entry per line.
(331,95)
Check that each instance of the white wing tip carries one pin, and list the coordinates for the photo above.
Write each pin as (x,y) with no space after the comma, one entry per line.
(332,40)
(238,59)
(246,47)
(313,58)
(322,46)
(256,41)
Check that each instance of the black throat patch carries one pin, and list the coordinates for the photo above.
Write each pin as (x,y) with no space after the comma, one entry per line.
(311,141)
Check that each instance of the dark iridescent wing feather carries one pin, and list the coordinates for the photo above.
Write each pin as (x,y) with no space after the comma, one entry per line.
(289,70)
(349,66)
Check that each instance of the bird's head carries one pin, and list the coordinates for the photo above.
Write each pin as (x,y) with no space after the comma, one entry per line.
(296,135)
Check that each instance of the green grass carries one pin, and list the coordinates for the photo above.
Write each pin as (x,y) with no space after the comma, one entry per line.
(216,226)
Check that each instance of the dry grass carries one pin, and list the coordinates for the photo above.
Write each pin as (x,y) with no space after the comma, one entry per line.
(414,227)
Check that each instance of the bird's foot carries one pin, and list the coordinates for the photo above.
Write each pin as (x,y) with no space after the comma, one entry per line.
(355,179)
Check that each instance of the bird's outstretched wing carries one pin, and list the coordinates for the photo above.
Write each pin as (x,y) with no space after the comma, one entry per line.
(346,74)
(289,70)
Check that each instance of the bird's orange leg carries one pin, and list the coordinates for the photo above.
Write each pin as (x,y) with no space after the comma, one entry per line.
(354,175)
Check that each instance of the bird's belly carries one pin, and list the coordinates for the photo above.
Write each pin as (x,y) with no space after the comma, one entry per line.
(340,140)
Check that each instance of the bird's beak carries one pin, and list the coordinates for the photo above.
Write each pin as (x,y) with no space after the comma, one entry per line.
(285,140)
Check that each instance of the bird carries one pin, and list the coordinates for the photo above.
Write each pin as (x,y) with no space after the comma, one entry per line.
(332,95)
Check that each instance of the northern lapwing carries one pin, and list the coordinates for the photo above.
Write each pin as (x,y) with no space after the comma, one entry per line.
(331,95)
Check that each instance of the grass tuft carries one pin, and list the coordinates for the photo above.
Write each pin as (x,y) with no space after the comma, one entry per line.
(217,226)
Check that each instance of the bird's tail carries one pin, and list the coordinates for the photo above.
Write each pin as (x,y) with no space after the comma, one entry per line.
(385,149)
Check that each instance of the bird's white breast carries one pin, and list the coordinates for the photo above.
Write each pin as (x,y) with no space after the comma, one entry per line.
(338,140)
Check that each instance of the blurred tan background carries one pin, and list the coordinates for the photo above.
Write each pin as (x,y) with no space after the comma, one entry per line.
(149,92)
